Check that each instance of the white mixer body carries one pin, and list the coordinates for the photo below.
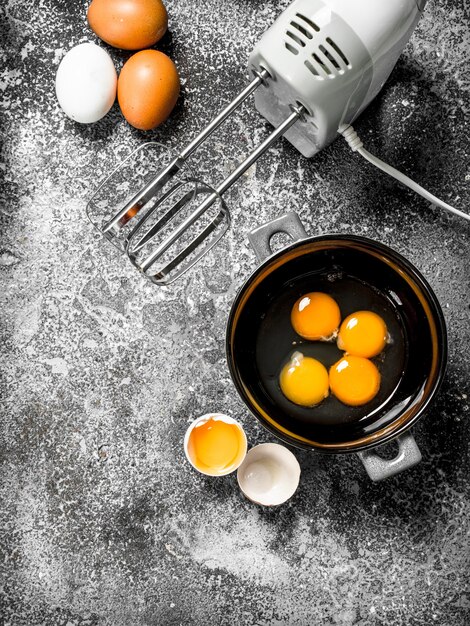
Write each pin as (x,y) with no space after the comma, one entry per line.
(333,57)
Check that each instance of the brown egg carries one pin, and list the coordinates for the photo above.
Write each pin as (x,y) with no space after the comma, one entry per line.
(148,88)
(128,24)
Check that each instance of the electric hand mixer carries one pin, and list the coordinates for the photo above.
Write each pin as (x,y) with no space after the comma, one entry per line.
(315,70)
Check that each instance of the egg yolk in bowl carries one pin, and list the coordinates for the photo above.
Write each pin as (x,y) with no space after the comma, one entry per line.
(304,380)
(363,333)
(354,380)
(316,316)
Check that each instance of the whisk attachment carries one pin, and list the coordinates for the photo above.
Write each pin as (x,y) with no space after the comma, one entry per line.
(165,230)
(186,223)
(116,204)
(148,248)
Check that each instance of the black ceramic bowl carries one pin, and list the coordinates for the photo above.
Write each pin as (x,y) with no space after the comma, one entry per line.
(303,266)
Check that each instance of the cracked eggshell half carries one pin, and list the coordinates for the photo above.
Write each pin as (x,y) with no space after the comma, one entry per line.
(269,475)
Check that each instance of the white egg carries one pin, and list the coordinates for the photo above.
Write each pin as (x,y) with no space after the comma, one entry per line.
(86,83)
(269,475)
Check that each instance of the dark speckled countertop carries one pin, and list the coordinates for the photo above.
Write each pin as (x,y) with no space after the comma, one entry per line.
(102,520)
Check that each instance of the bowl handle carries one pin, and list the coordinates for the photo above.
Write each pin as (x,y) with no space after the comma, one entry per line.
(378,468)
(260,238)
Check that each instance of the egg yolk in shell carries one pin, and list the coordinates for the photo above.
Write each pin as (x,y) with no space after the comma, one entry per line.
(304,380)
(363,333)
(215,445)
(354,380)
(315,316)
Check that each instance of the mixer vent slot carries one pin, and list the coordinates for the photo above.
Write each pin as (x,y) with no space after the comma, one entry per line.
(301,29)
(323,65)
(338,51)
(330,58)
(311,67)
(291,48)
(299,32)
(307,23)
(328,61)
(297,40)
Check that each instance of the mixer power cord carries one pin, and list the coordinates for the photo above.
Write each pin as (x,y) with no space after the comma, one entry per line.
(356,145)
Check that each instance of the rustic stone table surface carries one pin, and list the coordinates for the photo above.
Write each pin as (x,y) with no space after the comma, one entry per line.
(103,521)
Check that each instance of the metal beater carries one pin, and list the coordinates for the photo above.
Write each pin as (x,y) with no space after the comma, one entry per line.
(148,241)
